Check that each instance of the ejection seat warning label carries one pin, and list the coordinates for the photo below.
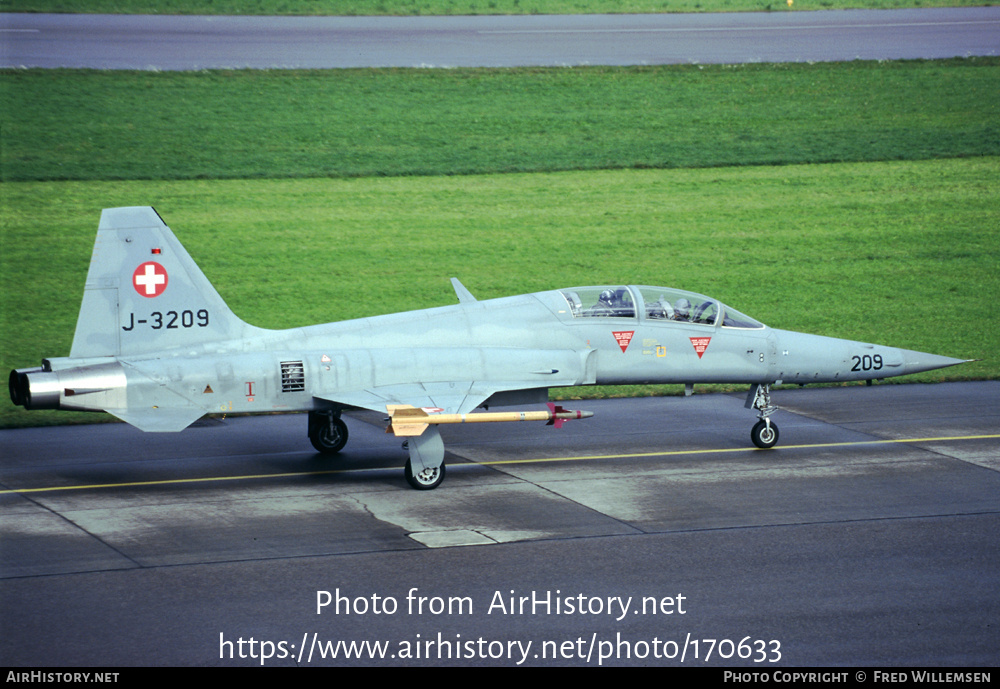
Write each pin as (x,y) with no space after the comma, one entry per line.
(622,630)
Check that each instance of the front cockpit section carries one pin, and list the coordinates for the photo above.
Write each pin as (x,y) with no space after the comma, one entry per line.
(600,302)
(656,304)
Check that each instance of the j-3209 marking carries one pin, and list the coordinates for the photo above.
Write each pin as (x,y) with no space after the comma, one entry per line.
(171,320)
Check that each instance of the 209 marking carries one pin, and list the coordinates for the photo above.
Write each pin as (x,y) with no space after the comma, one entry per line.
(158,320)
(867,362)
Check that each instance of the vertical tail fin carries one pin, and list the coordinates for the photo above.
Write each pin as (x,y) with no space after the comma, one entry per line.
(144,292)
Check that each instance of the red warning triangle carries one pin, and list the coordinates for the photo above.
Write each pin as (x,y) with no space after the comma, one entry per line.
(623,338)
(700,344)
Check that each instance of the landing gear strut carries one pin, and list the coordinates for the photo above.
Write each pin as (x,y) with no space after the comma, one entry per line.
(764,433)
(327,431)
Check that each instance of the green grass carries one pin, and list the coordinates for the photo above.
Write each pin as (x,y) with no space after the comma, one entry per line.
(900,253)
(451,7)
(65,124)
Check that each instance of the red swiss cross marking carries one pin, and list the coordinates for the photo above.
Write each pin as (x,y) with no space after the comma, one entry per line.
(623,338)
(150,279)
(700,344)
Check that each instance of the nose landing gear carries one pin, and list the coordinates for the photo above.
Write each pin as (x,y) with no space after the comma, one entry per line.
(764,433)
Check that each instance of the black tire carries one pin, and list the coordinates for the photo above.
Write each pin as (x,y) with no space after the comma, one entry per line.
(764,436)
(329,438)
(428,479)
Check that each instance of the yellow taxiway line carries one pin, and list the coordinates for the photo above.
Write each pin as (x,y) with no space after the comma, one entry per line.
(674,453)
(537,460)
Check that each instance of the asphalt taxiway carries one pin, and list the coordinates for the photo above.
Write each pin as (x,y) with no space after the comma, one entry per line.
(868,537)
(165,42)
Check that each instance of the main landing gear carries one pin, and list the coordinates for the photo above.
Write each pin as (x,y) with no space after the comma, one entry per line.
(327,431)
(424,468)
(425,479)
(764,433)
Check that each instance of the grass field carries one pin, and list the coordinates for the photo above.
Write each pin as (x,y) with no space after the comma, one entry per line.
(453,7)
(65,124)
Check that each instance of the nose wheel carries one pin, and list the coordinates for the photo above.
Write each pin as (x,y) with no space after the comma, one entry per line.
(764,434)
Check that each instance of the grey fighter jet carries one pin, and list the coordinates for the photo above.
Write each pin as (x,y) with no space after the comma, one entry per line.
(156,346)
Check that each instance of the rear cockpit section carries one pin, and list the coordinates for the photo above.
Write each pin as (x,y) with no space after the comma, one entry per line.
(659,304)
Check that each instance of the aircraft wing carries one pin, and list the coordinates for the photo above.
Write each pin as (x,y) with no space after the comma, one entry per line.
(497,373)
(452,398)
(503,376)
(458,398)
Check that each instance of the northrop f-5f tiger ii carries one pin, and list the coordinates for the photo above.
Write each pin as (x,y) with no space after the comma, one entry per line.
(156,346)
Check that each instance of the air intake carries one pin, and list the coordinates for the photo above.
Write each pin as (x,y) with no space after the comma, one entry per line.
(293,376)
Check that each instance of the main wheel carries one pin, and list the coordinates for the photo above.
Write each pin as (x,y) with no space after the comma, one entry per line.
(329,437)
(764,435)
(426,479)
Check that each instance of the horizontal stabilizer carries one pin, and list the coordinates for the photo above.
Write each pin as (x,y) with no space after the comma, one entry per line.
(160,420)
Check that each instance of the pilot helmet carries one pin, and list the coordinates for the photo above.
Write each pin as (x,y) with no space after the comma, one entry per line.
(607,296)
(682,307)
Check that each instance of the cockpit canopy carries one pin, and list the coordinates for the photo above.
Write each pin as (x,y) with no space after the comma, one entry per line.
(655,304)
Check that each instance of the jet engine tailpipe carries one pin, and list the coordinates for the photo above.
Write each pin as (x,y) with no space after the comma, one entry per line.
(84,388)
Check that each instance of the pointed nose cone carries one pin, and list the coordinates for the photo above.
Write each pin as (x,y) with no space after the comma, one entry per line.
(917,362)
